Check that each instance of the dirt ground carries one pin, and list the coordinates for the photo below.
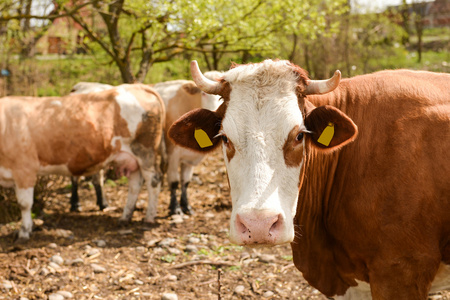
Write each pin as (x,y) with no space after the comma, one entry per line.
(89,255)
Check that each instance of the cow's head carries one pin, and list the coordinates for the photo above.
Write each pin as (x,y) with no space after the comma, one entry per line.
(264,126)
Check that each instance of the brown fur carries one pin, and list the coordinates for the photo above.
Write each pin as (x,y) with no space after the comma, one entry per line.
(380,206)
(191,88)
(182,131)
(293,149)
(230,150)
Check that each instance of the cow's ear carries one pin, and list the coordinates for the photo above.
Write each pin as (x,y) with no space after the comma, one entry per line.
(329,128)
(197,130)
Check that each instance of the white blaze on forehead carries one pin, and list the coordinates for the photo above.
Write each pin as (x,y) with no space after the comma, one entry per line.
(129,109)
(258,135)
(263,109)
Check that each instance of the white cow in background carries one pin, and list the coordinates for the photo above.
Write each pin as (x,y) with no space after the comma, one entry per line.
(180,97)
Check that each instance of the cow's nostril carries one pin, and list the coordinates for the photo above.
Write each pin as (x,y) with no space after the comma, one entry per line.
(241,226)
(277,222)
(259,228)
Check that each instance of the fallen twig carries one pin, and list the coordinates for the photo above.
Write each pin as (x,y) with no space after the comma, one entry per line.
(219,272)
(202,262)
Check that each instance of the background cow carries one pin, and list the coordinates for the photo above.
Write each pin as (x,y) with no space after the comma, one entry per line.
(78,135)
(371,219)
(180,96)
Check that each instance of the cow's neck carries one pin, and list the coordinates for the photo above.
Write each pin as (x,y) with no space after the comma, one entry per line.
(316,259)
(315,247)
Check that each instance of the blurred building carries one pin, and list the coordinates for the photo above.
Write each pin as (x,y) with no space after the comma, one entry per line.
(438,14)
(434,14)
(66,36)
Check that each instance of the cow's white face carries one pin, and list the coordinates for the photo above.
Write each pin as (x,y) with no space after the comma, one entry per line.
(264,186)
(263,132)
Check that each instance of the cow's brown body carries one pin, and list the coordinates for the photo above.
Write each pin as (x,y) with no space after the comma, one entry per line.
(372,216)
(381,205)
(78,135)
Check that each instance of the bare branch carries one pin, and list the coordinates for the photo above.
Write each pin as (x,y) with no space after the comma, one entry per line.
(50,17)
(130,44)
(91,33)
(203,262)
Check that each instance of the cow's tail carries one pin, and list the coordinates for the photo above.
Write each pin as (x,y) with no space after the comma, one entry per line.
(164,163)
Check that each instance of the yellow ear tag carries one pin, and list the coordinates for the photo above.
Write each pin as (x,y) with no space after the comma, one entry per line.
(327,135)
(202,138)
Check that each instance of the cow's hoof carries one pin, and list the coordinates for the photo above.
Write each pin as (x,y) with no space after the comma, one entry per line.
(102,207)
(21,238)
(175,211)
(188,210)
(123,222)
(75,209)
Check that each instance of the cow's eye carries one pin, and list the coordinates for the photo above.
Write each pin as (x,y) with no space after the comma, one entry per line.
(299,136)
(225,139)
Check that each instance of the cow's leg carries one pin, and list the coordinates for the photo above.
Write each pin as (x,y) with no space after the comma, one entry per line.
(153,182)
(134,187)
(186,176)
(25,200)
(74,200)
(97,181)
(173,178)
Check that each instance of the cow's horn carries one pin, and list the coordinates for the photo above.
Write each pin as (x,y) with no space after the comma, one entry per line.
(205,84)
(323,86)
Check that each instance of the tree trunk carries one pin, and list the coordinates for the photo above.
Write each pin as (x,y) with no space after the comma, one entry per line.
(125,72)
(346,30)
(307,59)
(245,56)
(405,22)
(419,30)
(294,48)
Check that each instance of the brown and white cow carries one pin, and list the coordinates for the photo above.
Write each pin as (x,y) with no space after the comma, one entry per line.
(366,208)
(78,135)
(180,97)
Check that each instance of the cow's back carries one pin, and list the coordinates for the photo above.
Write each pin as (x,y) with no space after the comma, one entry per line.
(57,131)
